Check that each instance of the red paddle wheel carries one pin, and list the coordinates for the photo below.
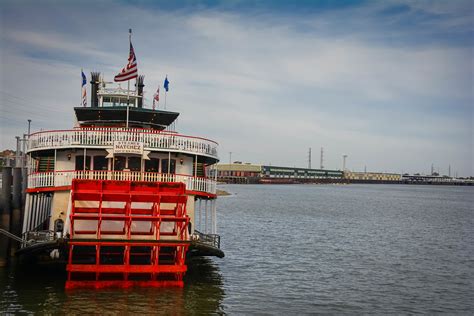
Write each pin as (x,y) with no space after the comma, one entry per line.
(127,233)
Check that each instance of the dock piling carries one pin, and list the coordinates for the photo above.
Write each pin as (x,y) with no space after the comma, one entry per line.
(15,223)
(5,213)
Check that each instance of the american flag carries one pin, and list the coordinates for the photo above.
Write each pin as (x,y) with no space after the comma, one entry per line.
(84,94)
(130,71)
(156,97)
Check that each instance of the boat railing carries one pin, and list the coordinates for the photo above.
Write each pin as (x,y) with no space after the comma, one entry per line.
(213,240)
(64,178)
(38,236)
(105,137)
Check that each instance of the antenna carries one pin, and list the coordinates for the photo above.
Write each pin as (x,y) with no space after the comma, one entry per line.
(309,158)
(322,159)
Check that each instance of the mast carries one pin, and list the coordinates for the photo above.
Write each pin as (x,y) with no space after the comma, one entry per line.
(128,81)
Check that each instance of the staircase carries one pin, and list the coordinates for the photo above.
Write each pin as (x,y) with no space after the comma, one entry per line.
(200,169)
(45,164)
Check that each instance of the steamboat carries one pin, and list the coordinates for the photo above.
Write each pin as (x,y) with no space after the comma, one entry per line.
(122,199)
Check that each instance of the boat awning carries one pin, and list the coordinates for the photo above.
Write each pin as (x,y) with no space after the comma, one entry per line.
(138,117)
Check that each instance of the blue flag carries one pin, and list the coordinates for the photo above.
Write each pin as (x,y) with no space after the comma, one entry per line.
(84,80)
(167,84)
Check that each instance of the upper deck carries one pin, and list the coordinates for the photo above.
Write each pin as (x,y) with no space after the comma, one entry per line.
(116,115)
(102,138)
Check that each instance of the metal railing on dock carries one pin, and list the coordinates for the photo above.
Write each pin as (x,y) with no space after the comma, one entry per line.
(213,240)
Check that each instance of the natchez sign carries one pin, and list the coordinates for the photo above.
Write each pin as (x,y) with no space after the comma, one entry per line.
(128,147)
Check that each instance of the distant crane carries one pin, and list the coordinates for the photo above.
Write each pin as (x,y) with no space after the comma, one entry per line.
(321,166)
(309,158)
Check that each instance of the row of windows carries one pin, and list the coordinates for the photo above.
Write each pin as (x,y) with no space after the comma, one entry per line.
(238,174)
(122,163)
(303,174)
(297,172)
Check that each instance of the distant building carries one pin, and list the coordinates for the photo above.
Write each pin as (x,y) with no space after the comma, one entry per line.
(371,176)
(274,172)
(5,155)
(238,173)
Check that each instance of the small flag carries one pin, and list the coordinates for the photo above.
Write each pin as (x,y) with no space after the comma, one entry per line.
(156,97)
(130,71)
(84,93)
(167,84)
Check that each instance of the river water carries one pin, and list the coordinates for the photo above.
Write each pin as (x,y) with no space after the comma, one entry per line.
(302,249)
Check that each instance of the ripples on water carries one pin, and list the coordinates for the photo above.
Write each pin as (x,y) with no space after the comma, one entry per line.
(306,249)
(42,291)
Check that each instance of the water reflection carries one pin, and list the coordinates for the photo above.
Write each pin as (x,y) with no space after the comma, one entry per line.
(204,286)
(41,290)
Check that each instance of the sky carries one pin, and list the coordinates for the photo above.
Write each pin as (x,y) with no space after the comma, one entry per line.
(387,83)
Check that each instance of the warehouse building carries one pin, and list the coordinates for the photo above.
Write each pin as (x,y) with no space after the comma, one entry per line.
(369,177)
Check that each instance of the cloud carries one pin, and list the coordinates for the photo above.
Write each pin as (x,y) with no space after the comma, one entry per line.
(267,85)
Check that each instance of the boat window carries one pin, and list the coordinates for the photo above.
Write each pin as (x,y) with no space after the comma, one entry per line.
(134,163)
(172,166)
(119,163)
(100,163)
(152,165)
(80,163)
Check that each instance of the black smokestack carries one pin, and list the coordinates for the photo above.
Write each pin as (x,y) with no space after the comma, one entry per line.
(140,81)
(95,78)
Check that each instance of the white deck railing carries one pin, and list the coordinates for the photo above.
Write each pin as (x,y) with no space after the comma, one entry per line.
(64,178)
(105,137)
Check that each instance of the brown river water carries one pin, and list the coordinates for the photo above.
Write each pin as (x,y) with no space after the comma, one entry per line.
(305,249)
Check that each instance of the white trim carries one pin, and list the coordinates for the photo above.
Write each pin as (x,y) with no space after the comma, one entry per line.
(104,139)
(64,178)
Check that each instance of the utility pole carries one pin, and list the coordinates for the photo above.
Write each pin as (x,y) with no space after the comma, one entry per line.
(309,158)
(23,156)
(321,166)
(344,162)
(18,152)
(29,127)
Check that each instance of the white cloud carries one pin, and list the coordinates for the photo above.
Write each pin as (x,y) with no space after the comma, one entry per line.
(264,88)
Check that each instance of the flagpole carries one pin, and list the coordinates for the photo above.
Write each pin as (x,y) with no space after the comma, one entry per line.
(128,81)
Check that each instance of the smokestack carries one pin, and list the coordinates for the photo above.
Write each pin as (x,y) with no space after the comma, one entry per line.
(95,79)
(140,81)
(309,158)
(344,162)
(321,166)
